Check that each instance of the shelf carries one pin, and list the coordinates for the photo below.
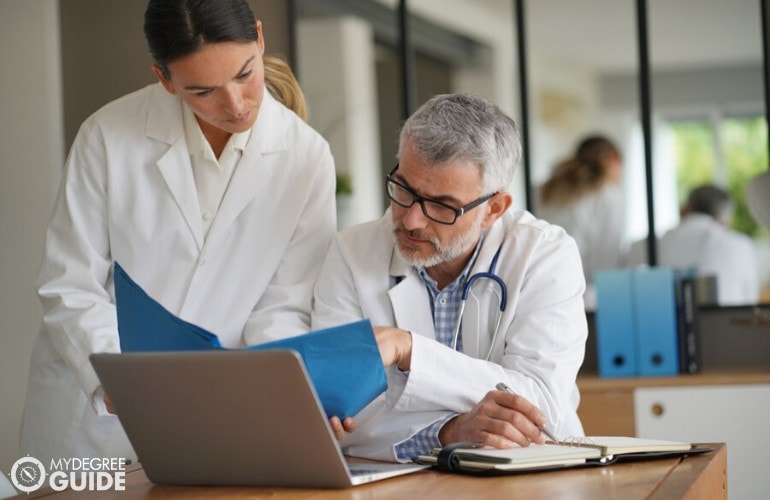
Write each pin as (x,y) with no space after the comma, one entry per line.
(592,382)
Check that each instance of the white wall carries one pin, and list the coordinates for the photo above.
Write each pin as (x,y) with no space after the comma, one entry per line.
(339,53)
(31,156)
(342,105)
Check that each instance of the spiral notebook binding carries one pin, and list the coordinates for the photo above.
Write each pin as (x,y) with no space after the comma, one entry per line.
(577,441)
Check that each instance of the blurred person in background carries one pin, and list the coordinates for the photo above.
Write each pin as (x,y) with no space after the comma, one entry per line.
(704,242)
(584,196)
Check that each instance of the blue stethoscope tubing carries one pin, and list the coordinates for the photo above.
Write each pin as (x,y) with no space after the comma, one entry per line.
(502,298)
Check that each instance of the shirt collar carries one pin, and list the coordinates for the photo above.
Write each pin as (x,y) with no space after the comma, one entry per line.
(196,141)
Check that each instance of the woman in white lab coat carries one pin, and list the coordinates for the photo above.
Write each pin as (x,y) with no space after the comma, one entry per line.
(215,198)
(584,196)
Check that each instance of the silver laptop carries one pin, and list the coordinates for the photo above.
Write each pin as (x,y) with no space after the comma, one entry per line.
(229,418)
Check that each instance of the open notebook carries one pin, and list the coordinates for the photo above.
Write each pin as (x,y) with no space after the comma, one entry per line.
(595,450)
(620,445)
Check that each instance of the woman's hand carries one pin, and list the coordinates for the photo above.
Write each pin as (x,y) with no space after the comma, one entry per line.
(341,427)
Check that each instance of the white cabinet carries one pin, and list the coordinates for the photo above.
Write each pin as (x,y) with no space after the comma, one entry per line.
(738,415)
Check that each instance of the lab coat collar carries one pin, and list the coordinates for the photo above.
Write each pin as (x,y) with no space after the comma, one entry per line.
(251,179)
(268,135)
(164,116)
(492,242)
(165,124)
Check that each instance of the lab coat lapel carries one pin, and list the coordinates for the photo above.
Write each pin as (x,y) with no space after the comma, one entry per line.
(410,301)
(252,177)
(177,172)
(482,309)
(164,123)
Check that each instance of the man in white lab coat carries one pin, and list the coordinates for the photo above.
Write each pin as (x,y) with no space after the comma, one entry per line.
(213,196)
(704,242)
(449,220)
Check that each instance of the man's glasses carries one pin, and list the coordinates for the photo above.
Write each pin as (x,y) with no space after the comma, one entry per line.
(433,210)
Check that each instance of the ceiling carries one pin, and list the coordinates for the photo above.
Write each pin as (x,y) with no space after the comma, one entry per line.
(682,33)
(600,34)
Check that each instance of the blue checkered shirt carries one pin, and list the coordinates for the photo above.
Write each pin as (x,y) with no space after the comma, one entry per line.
(445,305)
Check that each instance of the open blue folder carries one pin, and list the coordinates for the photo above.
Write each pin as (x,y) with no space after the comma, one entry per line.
(343,362)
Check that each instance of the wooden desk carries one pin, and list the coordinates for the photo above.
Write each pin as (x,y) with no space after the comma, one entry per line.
(598,395)
(685,408)
(699,476)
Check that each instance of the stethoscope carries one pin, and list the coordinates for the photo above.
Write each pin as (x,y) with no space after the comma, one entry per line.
(502,300)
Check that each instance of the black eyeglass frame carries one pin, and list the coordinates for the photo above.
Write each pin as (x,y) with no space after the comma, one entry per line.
(421,201)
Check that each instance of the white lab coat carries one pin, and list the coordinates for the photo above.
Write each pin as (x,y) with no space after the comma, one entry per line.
(702,243)
(538,353)
(128,195)
(596,221)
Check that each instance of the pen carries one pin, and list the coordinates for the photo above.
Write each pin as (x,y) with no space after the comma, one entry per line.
(503,387)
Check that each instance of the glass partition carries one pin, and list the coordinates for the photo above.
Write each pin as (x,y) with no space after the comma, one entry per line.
(583,83)
(708,104)
(582,80)
(349,66)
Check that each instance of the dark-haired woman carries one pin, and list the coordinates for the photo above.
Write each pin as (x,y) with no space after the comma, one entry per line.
(215,198)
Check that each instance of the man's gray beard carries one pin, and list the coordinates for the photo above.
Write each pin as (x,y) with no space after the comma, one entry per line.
(459,246)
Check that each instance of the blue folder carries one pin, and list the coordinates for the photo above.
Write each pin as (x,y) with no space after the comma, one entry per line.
(636,322)
(656,322)
(615,323)
(343,362)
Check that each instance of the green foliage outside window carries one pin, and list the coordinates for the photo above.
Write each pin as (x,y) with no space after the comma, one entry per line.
(745,148)
(746,156)
(695,162)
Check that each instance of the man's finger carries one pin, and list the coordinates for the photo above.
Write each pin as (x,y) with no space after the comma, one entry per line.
(519,404)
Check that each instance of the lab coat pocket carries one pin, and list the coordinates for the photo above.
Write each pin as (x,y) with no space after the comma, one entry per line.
(52,389)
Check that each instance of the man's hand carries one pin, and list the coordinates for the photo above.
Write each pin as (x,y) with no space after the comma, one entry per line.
(499,420)
(341,427)
(395,346)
